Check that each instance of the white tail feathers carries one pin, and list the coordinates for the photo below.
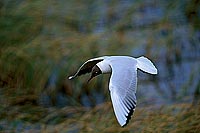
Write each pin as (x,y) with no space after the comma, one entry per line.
(146,65)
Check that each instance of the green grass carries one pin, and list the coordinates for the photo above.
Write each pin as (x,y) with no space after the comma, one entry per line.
(168,118)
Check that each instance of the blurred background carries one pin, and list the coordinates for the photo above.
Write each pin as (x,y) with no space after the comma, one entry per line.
(42,42)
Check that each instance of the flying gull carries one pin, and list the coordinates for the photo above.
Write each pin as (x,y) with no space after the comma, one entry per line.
(123,80)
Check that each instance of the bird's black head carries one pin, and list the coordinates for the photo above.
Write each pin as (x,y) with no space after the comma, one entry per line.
(95,71)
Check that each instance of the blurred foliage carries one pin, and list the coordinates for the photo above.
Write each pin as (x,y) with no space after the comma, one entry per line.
(42,42)
(174,118)
(192,13)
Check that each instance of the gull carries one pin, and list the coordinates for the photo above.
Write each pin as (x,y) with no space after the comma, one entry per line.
(123,80)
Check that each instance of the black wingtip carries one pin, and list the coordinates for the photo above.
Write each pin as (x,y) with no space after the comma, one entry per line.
(128,117)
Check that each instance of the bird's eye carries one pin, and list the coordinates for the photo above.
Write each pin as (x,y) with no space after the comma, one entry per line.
(96,72)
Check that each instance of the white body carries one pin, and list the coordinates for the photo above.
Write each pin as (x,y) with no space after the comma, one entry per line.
(142,63)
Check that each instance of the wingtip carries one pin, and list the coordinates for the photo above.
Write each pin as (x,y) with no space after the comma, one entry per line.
(71,77)
(123,125)
(128,118)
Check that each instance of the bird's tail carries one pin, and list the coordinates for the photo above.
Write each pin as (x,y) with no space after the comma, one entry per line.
(146,65)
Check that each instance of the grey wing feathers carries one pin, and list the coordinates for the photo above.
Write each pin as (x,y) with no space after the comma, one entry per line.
(123,108)
(87,67)
(123,83)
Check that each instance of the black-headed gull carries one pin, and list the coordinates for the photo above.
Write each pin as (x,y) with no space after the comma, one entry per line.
(123,81)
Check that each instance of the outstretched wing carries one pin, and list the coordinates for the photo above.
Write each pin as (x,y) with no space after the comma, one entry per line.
(87,66)
(122,86)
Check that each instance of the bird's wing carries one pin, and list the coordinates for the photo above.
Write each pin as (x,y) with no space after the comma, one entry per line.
(122,86)
(87,66)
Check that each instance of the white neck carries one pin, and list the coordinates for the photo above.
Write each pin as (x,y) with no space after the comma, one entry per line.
(104,67)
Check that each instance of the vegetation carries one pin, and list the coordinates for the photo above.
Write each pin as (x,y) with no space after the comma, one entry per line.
(42,42)
(174,118)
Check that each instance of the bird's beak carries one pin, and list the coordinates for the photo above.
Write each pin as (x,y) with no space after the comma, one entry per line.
(89,79)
